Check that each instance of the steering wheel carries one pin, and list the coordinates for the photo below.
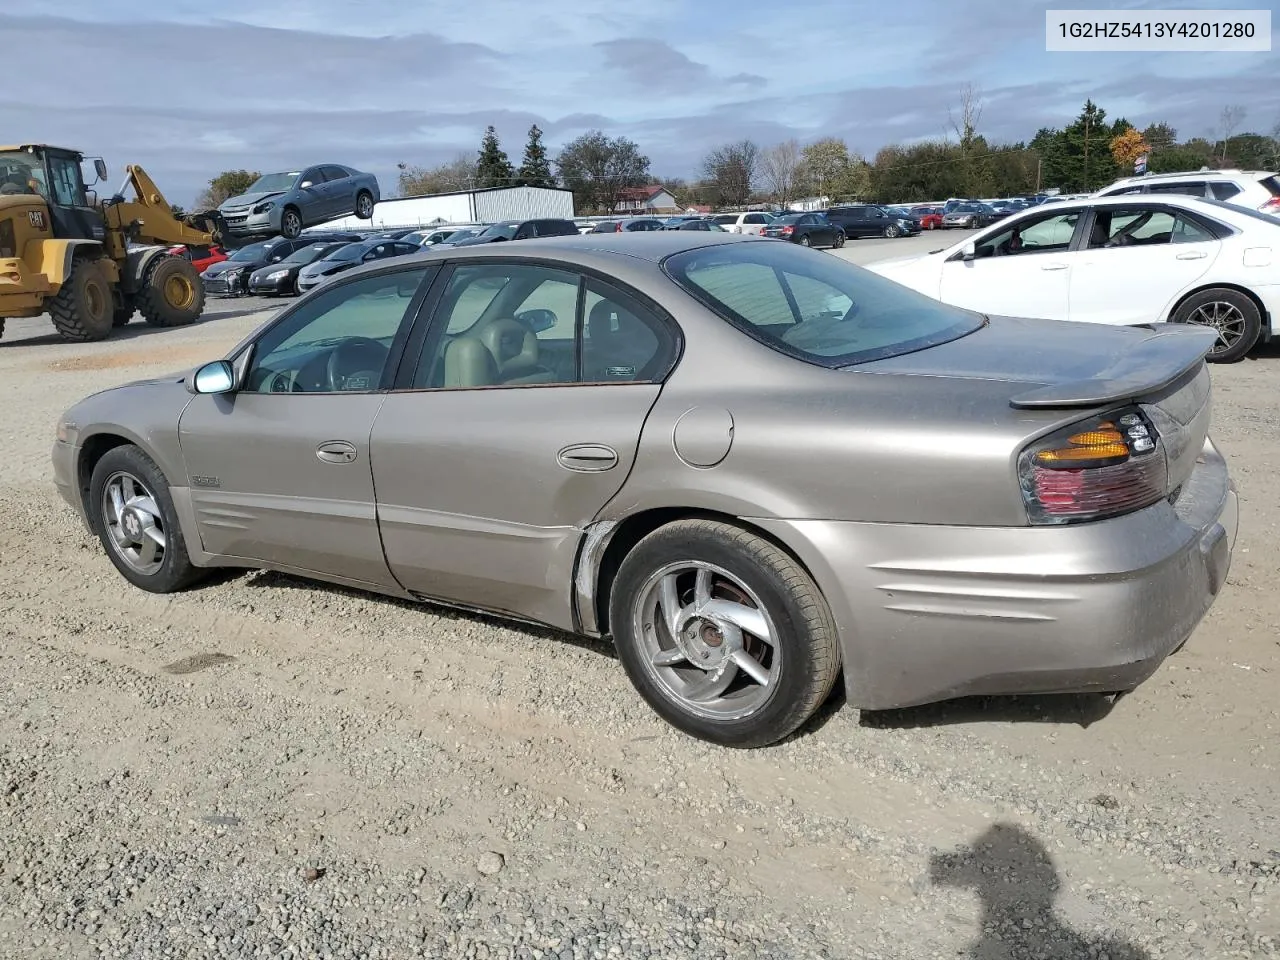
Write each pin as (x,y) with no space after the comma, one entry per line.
(356,364)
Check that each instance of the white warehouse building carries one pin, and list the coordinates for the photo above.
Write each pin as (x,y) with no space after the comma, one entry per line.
(485,205)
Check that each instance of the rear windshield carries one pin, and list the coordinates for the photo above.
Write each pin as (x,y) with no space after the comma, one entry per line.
(1272,183)
(814,306)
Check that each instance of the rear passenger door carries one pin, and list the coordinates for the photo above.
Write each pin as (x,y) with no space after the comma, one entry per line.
(514,420)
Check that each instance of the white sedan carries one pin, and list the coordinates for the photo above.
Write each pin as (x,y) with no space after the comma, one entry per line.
(1117,260)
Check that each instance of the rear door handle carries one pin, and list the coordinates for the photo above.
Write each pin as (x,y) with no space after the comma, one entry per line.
(1192,255)
(588,458)
(1053,266)
(336,451)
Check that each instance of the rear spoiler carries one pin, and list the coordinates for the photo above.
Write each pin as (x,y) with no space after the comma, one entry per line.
(1151,365)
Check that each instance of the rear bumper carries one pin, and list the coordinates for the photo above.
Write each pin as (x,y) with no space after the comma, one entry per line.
(928,613)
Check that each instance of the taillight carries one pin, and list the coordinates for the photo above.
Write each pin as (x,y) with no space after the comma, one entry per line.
(787,230)
(1272,206)
(1101,467)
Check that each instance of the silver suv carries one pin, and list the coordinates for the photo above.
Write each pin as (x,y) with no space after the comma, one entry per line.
(1251,189)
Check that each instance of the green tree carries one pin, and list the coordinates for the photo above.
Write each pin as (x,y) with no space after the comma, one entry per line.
(597,169)
(830,169)
(229,183)
(493,169)
(535,169)
(1078,158)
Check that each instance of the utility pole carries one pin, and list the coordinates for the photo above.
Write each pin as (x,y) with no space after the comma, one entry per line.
(1038,161)
(1086,151)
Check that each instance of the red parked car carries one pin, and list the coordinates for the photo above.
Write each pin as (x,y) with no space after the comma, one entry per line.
(201,257)
(930,217)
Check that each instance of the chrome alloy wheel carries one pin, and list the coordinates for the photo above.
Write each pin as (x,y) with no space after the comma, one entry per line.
(707,640)
(134,525)
(1225,318)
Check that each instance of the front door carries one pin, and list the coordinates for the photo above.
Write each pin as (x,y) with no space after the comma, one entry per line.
(280,469)
(1136,258)
(516,425)
(1021,270)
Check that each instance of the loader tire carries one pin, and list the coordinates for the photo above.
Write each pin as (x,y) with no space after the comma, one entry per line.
(82,308)
(172,294)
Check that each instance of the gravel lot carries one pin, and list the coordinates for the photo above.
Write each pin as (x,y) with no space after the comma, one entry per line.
(262,767)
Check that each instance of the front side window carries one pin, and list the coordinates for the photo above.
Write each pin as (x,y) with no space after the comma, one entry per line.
(1050,233)
(339,341)
(820,309)
(66,186)
(1191,188)
(510,325)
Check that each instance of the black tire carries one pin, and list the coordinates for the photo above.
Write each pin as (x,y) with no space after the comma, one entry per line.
(172,293)
(804,240)
(839,241)
(82,310)
(1250,321)
(290,223)
(806,639)
(176,570)
(364,205)
(124,313)
(891,231)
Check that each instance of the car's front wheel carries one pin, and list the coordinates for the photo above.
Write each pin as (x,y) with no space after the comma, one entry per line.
(364,205)
(723,633)
(130,509)
(1231,313)
(891,231)
(291,224)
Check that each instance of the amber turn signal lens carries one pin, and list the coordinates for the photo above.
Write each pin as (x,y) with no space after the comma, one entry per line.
(1076,456)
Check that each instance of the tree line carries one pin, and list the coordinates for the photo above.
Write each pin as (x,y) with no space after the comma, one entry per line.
(1082,156)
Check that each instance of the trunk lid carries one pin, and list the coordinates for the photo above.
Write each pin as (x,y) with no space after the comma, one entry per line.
(1052,365)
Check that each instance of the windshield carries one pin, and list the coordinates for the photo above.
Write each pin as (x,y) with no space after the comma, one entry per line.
(274,182)
(254,251)
(352,251)
(813,306)
(506,230)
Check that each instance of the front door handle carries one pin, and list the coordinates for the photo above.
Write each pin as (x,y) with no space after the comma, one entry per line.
(1053,266)
(1192,255)
(336,451)
(588,458)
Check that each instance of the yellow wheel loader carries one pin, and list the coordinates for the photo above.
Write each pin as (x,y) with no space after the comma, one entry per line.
(88,263)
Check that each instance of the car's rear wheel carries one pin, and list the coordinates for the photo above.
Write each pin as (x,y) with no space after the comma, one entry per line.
(804,240)
(1231,313)
(290,224)
(839,241)
(723,633)
(130,509)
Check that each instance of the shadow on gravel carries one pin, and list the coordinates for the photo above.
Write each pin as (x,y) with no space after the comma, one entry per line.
(1014,877)
(270,579)
(1083,709)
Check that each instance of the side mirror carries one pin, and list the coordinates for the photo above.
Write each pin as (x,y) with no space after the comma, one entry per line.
(100,168)
(968,251)
(538,320)
(214,377)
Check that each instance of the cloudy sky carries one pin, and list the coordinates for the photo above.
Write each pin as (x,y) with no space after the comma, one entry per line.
(191,87)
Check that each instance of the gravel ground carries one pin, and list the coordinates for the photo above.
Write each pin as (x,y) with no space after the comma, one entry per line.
(262,767)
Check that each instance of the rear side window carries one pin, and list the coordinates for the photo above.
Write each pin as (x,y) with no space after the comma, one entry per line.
(820,309)
(334,173)
(755,218)
(1224,189)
